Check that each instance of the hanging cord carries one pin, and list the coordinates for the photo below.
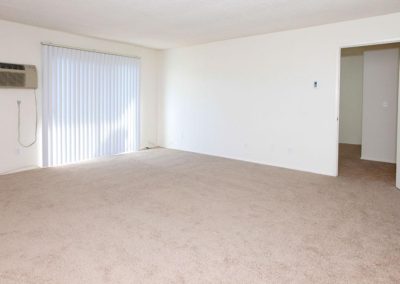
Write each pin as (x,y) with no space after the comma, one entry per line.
(19,123)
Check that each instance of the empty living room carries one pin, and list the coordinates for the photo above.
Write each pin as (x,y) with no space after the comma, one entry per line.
(241,141)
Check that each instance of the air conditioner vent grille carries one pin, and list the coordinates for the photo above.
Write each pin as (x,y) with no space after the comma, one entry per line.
(10,79)
(12,66)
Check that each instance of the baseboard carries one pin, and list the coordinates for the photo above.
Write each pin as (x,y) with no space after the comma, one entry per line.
(377,160)
(17,170)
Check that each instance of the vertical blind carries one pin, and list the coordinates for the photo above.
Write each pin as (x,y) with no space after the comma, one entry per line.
(90,105)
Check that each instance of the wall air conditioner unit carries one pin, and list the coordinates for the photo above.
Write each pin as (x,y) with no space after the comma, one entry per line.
(18,76)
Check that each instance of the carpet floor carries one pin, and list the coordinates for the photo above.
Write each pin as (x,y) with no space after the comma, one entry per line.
(165,216)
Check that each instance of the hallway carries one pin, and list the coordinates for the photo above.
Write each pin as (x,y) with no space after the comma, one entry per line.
(351,166)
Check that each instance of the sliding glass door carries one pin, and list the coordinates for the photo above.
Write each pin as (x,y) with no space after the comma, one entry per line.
(90,105)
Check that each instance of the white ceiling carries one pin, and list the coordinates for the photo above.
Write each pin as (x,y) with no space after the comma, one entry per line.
(172,23)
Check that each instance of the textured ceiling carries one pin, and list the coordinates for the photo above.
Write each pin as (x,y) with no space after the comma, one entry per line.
(172,23)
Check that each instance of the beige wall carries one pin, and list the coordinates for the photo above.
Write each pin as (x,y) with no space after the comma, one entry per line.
(21,44)
(351,96)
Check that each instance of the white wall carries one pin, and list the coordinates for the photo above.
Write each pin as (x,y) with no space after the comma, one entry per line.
(253,98)
(21,44)
(351,96)
(379,124)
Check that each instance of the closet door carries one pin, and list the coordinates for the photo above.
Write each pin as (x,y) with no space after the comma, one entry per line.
(379,122)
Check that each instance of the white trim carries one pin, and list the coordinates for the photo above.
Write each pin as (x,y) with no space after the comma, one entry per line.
(377,160)
(17,170)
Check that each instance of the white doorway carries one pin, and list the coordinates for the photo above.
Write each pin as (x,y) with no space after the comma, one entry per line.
(369,84)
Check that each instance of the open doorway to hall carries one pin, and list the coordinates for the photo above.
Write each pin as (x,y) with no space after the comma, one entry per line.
(369,92)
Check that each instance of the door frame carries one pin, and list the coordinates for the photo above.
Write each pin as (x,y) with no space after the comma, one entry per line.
(398,134)
(337,102)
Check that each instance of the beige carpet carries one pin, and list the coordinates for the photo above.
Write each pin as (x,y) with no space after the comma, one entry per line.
(164,216)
